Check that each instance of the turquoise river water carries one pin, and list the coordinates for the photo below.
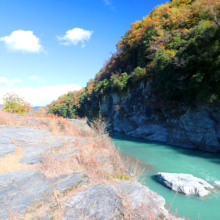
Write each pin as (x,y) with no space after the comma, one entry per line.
(165,158)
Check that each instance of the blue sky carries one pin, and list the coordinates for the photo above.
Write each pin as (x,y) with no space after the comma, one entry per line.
(50,47)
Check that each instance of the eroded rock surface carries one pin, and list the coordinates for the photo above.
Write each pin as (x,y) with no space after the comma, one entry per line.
(110,202)
(23,185)
(139,196)
(98,202)
(34,143)
(185,183)
(21,189)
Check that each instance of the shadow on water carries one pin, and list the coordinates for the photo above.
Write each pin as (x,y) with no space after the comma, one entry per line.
(154,179)
(212,157)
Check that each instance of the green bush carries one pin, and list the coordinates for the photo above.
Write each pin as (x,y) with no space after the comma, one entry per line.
(15,104)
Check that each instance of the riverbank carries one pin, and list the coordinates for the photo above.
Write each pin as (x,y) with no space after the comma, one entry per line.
(160,157)
(54,168)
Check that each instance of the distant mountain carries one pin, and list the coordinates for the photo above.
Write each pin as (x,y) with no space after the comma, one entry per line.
(35,108)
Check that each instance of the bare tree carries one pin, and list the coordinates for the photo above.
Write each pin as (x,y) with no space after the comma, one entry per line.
(213,7)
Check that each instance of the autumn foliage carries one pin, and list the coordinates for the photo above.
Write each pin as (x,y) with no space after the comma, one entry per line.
(15,104)
(176,48)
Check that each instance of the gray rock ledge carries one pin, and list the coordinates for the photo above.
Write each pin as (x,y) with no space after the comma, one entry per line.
(185,183)
(103,202)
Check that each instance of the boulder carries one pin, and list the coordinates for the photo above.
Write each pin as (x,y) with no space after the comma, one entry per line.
(116,200)
(217,183)
(97,202)
(185,183)
(144,203)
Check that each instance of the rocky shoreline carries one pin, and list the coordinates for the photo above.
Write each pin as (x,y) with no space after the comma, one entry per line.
(25,189)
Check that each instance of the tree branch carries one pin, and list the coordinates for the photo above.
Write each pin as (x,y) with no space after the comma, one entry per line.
(214,15)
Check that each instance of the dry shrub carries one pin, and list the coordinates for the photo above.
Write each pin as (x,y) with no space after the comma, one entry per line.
(52,167)
(142,212)
(139,213)
(50,122)
(137,169)
(96,157)
(6,119)
(13,216)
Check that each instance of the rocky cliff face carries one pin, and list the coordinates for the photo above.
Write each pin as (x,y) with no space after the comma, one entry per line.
(140,114)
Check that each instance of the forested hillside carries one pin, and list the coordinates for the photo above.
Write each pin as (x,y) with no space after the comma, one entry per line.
(176,48)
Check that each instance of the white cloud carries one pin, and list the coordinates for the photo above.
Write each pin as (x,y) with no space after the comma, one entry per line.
(24,41)
(75,36)
(40,96)
(3,80)
(16,80)
(36,78)
(108,2)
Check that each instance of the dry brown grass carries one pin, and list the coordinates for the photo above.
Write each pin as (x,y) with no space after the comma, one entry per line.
(96,156)
(52,167)
(53,123)
(131,213)
(141,212)
(10,163)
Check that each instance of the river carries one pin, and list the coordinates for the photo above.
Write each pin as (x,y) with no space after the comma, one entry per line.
(165,158)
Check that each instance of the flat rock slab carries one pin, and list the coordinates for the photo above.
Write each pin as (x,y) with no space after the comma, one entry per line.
(185,183)
(34,143)
(23,188)
(19,190)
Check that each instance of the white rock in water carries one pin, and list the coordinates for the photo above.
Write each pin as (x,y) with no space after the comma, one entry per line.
(217,183)
(185,183)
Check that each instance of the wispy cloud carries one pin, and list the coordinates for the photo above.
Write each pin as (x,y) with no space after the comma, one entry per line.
(16,80)
(109,3)
(24,41)
(36,78)
(5,81)
(75,36)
